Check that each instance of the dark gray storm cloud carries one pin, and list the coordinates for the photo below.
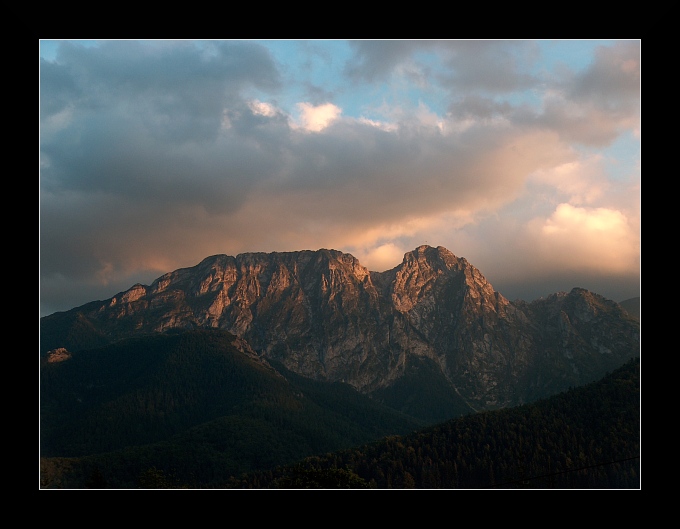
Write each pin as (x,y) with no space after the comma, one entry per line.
(175,90)
(152,123)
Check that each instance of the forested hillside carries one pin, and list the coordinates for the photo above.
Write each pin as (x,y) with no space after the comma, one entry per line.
(189,410)
(191,407)
(587,437)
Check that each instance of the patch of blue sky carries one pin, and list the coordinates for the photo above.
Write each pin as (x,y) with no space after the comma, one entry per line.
(49,47)
(314,71)
(311,71)
(425,84)
(623,158)
(575,54)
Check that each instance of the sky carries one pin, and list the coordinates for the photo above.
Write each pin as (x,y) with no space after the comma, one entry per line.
(522,156)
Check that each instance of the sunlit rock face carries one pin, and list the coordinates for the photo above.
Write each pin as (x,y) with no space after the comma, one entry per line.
(59,354)
(324,315)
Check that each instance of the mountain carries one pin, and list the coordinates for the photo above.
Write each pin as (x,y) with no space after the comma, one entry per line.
(194,405)
(584,438)
(190,409)
(431,337)
(632,306)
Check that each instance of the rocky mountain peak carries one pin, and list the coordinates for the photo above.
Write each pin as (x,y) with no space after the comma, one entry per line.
(423,270)
(428,256)
(323,315)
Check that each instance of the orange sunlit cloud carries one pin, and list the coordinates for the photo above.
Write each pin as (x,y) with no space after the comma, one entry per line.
(588,238)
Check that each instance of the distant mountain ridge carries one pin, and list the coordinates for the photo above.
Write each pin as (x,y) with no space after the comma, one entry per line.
(323,315)
(632,305)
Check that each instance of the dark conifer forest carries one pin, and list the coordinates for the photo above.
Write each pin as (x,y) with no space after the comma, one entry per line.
(188,410)
(585,438)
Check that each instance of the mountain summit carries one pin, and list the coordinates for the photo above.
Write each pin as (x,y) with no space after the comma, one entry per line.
(433,321)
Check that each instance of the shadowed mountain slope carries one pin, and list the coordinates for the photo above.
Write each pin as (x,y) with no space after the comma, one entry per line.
(194,405)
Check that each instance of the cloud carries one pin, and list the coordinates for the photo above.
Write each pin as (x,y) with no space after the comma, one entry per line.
(383,257)
(262,109)
(375,60)
(155,155)
(612,81)
(582,181)
(470,66)
(589,238)
(174,90)
(593,107)
(315,118)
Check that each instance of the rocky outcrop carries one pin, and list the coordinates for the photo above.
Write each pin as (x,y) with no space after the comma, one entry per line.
(60,354)
(323,315)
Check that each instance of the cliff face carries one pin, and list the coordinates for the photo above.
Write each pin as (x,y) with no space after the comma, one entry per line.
(324,315)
